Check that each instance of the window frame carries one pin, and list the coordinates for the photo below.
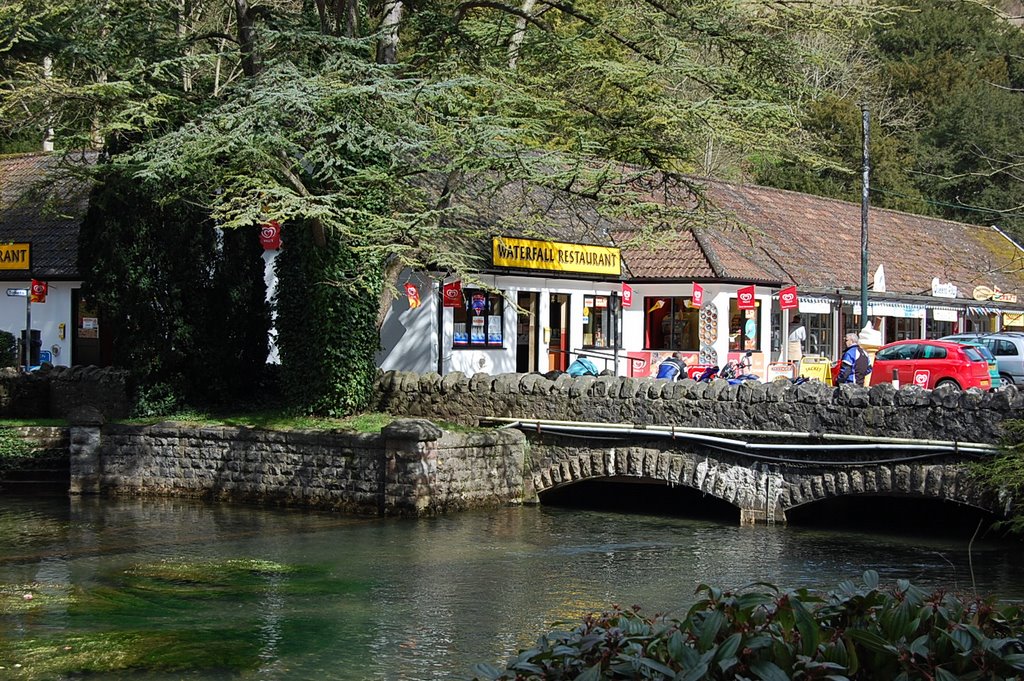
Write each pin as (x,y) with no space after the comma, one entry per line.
(752,344)
(491,329)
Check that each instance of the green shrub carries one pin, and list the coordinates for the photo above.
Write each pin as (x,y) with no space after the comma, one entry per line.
(8,350)
(1003,475)
(867,632)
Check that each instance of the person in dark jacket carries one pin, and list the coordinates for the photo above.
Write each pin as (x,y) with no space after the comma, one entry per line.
(673,367)
(854,366)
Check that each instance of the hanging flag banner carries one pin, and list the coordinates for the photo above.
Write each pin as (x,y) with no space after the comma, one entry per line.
(270,235)
(39,290)
(627,295)
(788,299)
(745,298)
(413,294)
(698,295)
(451,293)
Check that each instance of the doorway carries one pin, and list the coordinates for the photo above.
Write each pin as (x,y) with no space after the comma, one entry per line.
(526,332)
(558,327)
(87,345)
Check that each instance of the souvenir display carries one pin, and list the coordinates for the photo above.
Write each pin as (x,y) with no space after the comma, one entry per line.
(708,334)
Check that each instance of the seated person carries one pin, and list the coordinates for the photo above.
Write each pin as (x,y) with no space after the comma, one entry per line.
(672,367)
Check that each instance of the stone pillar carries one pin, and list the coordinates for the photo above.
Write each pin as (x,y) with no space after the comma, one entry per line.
(85,439)
(409,467)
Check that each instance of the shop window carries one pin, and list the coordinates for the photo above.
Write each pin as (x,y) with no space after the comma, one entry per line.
(671,324)
(478,321)
(598,330)
(901,328)
(938,329)
(744,327)
(819,334)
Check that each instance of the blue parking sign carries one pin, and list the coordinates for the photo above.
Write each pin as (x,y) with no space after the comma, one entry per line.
(45,356)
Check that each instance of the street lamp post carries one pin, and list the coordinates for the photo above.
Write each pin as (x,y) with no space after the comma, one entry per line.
(865,184)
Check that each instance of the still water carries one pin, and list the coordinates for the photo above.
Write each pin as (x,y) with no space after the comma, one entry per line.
(156,585)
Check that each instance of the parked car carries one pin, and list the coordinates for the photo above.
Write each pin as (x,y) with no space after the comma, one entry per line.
(993,365)
(931,363)
(1006,346)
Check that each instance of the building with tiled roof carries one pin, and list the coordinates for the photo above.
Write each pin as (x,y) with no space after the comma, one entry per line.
(42,205)
(927,278)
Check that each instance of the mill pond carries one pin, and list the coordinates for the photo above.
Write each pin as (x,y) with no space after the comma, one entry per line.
(160,589)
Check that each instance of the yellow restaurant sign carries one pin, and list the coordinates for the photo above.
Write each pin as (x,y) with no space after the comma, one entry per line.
(553,255)
(15,257)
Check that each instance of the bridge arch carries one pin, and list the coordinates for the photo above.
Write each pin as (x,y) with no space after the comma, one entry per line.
(763,491)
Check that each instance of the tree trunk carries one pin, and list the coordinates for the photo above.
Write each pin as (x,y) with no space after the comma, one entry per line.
(351,17)
(387,46)
(246,38)
(516,41)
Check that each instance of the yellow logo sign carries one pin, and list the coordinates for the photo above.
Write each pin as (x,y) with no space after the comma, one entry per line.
(14,257)
(553,255)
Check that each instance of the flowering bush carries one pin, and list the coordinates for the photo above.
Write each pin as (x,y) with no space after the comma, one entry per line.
(866,632)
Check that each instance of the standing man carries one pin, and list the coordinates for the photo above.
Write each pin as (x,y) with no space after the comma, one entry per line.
(796,340)
(854,365)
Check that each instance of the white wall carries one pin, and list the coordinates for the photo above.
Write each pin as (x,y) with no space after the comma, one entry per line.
(46,317)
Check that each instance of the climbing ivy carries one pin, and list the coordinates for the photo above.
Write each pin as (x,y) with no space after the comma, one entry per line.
(1003,474)
(185,308)
(327,300)
(8,350)
(14,449)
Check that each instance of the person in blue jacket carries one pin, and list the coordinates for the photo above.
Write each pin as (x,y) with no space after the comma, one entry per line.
(672,367)
(855,364)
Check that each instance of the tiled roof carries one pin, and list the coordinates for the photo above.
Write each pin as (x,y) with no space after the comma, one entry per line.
(42,206)
(814,242)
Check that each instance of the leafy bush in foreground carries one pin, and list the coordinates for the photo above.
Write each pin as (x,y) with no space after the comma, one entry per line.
(897,633)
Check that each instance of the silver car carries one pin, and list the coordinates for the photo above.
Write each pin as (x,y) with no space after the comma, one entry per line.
(1006,346)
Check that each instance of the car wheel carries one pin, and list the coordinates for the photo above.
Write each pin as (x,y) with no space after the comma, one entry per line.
(947,381)
(1006,379)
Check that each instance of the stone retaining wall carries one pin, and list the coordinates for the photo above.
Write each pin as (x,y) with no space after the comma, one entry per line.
(945,413)
(410,468)
(57,392)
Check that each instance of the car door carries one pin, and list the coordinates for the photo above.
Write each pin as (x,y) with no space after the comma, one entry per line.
(930,358)
(899,357)
(1008,357)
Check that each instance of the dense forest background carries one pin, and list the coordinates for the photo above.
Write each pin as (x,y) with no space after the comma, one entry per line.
(368,129)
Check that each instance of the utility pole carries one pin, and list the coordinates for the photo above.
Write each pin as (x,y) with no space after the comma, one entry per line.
(865,185)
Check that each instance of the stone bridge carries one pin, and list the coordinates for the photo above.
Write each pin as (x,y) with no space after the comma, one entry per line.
(842,441)
(764,486)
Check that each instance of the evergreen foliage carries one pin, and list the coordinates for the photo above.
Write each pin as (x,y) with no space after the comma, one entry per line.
(868,632)
(1004,474)
(326,312)
(8,349)
(942,85)
(186,326)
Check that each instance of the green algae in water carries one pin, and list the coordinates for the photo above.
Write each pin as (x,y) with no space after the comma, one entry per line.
(21,599)
(158,617)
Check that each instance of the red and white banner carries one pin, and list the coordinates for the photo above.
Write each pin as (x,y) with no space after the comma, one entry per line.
(788,298)
(627,295)
(451,293)
(413,294)
(698,295)
(270,235)
(38,291)
(745,297)
(921,377)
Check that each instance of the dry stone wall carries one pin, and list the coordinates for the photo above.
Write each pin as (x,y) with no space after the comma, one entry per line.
(58,392)
(945,413)
(410,468)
